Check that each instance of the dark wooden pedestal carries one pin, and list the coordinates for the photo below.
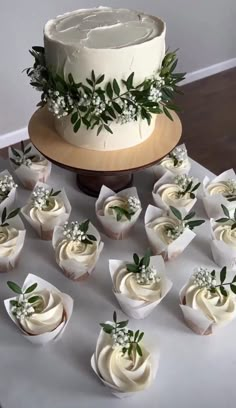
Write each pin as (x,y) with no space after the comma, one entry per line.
(91,184)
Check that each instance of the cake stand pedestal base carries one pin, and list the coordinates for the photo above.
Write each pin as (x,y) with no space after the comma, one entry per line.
(91,184)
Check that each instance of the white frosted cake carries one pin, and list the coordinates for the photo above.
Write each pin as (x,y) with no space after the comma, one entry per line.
(114,43)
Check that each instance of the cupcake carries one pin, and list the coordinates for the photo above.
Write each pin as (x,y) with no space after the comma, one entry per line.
(118,212)
(29,166)
(77,247)
(12,237)
(46,209)
(177,161)
(40,311)
(208,301)
(139,286)
(122,361)
(7,190)
(169,235)
(178,192)
(220,190)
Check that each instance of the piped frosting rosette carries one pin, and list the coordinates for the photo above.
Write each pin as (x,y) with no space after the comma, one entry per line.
(46,209)
(207,301)
(29,165)
(118,212)
(223,243)
(12,237)
(124,372)
(176,162)
(77,247)
(7,190)
(158,225)
(176,191)
(220,190)
(40,311)
(139,292)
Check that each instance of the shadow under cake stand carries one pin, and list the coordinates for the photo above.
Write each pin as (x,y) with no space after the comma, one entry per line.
(94,168)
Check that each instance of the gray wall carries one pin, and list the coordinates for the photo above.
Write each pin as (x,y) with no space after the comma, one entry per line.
(204,30)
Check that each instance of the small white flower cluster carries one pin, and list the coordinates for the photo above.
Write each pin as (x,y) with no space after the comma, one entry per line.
(129,113)
(6,185)
(155,94)
(179,154)
(23,309)
(147,275)
(73,233)
(183,181)
(23,161)
(175,232)
(203,278)
(100,106)
(120,337)
(40,197)
(134,204)
(231,184)
(59,105)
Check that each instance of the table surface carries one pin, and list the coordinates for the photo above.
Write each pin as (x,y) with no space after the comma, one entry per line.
(195,371)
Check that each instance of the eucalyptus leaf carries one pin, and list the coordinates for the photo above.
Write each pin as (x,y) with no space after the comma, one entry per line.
(84,226)
(139,350)
(225,210)
(223,291)
(13,213)
(136,259)
(223,274)
(14,287)
(233,288)
(34,299)
(31,288)
(176,212)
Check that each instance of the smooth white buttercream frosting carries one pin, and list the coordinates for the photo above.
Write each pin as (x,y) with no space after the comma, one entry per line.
(85,254)
(182,167)
(56,208)
(169,195)
(220,187)
(8,241)
(224,232)
(160,225)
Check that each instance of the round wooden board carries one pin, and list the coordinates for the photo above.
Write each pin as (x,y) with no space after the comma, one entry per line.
(45,138)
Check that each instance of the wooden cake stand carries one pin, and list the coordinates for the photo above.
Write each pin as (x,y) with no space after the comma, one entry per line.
(94,168)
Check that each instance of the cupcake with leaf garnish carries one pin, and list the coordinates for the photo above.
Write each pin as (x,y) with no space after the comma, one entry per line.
(223,244)
(39,310)
(29,165)
(220,190)
(12,237)
(179,192)
(208,300)
(139,286)
(169,233)
(77,247)
(46,209)
(177,161)
(7,190)
(118,212)
(122,360)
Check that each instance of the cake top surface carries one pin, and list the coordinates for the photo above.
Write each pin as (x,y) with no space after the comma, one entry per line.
(104,27)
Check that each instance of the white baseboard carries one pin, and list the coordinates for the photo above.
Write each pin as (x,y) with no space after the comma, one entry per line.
(10,138)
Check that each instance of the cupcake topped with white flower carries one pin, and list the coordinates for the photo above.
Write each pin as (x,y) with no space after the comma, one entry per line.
(77,247)
(208,301)
(121,208)
(7,189)
(121,360)
(177,161)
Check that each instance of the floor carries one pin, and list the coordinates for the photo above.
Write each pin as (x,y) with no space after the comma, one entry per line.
(209,121)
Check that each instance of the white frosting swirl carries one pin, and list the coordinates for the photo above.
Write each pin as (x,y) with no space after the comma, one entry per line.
(215,306)
(223,232)
(221,187)
(160,225)
(85,254)
(127,374)
(182,167)
(39,165)
(55,208)
(126,283)
(115,201)
(49,313)
(169,195)
(8,241)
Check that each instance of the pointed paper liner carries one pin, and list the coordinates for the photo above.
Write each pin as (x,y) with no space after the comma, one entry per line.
(159,169)
(8,263)
(168,178)
(136,308)
(55,334)
(115,229)
(45,231)
(223,254)
(173,250)
(28,177)
(212,203)
(8,202)
(115,390)
(72,269)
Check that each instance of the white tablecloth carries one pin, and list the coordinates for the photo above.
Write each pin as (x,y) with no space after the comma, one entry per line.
(195,371)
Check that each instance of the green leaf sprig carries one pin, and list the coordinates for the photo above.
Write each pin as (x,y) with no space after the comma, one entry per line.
(22,157)
(78,232)
(24,305)
(187,220)
(41,197)
(186,186)
(205,278)
(139,263)
(122,212)
(7,216)
(228,219)
(123,337)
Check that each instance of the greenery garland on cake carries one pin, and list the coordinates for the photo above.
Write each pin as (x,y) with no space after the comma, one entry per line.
(94,105)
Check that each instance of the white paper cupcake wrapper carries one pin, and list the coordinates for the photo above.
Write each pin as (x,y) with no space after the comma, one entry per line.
(172,250)
(135,308)
(115,390)
(73,269)
(68,307)
(115,229)
(8,263)
(223,254)
(212,203)
(45,231)
(159,169)
(9,201)
(168,178)
(29,177)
